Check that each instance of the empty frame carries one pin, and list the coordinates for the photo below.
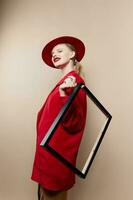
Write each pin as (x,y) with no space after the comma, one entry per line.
(97,122)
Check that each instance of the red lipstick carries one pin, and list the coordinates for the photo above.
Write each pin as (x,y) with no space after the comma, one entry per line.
(56,59)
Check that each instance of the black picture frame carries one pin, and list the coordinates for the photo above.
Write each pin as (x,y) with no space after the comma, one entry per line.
(45,142)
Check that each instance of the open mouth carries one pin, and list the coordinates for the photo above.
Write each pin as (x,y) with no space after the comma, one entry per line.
(56,59)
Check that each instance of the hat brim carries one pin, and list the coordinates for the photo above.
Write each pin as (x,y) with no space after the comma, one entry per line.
(78,44)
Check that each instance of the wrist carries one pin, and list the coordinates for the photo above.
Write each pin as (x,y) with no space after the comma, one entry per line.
(62,92)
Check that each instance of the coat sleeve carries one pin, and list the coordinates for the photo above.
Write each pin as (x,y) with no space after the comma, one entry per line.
(74,119)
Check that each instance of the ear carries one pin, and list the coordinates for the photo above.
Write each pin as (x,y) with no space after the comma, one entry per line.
(72,55)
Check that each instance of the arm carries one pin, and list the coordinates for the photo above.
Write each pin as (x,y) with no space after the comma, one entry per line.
(72,120)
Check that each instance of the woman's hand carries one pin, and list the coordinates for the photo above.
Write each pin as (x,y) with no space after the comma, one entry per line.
(69,82)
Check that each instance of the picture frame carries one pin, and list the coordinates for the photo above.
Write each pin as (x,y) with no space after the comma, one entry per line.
(45,142)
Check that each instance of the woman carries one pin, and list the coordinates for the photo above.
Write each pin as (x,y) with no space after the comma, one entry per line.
(52,176)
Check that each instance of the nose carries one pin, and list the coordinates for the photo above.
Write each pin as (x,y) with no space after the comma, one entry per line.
(53,54)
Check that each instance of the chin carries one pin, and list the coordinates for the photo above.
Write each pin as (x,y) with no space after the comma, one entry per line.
(60,66)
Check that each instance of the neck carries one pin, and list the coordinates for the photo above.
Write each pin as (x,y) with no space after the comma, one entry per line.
(67,68)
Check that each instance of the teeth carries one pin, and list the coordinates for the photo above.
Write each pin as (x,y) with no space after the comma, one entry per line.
(56,59)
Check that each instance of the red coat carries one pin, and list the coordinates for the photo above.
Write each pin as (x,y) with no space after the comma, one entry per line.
(50,172)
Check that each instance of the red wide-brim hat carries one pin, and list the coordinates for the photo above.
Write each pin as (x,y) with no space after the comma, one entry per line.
(78,44)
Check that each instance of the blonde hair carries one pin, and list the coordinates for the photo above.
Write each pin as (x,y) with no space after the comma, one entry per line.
(77,65)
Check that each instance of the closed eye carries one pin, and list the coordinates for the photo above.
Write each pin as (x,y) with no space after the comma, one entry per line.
(59,50)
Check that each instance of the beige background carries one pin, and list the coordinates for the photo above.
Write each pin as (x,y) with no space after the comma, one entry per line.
(106,27)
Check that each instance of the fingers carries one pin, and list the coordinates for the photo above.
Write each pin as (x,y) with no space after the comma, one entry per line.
(70,81)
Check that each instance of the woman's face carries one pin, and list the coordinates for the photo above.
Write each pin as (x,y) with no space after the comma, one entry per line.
(61,55)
